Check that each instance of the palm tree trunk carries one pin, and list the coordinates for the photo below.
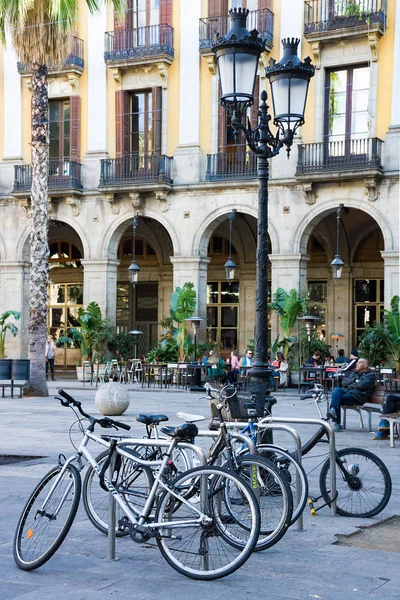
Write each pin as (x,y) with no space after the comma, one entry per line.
(39,232)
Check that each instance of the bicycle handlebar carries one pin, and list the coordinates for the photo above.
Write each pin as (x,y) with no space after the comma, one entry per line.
(104,422)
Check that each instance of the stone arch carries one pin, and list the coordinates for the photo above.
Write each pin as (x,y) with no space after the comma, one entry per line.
(216,217)
(320,211)
(22,246)
(117,228)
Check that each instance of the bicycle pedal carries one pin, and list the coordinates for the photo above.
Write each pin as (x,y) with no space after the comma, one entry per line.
(123,524)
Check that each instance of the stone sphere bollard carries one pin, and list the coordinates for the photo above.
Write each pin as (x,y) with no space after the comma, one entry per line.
(112,399)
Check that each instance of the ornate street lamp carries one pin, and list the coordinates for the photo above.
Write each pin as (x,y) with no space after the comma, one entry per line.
(134,268)
(195,322)
(237,55)
(337,264)
(230,264)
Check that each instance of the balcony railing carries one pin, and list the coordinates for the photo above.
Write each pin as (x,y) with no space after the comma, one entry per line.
(262,20)
(231,166)
(154,40)
(323,16)
(349,155)
(63,175)
(75,59)
(136,169)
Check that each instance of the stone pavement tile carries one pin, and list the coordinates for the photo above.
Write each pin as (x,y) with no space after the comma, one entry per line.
(10,590)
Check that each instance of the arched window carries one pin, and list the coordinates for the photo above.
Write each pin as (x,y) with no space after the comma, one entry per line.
(64,255)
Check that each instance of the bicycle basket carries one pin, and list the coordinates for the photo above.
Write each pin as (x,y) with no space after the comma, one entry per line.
(243,405)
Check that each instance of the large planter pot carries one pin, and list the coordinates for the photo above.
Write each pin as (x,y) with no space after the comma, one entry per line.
(112,399)
(294,378)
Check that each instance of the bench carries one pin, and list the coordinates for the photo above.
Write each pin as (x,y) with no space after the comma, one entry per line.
(394,421)
(374,405)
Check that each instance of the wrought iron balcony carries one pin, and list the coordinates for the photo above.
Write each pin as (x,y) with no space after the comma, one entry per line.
(136,169)
(231,166)
(340,158)
(138,45)
(262,20)
(324,18)
(74,62)
(63,175)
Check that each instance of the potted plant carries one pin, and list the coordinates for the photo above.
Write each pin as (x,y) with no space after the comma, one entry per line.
(288,306)
(183,304)
(6,325)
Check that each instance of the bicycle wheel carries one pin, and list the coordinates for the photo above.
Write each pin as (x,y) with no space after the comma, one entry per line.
(199,538)
(363,483)
(294,473)
(273,495)
(47,517)
(132,481)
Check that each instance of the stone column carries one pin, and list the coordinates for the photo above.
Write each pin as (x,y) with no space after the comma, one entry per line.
(97,98)
(187,157)
(247,307)
(391,276)
(14,283)
(100,285)
(340,310)
(288,271)
(193,269)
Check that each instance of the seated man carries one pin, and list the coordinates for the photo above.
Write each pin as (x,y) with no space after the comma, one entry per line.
(357,388)
(392,405)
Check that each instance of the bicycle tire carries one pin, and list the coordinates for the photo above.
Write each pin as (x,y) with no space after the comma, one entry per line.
(200,543)
(372,483)
(274,496)
(30,548)
(95,499)
(290,468)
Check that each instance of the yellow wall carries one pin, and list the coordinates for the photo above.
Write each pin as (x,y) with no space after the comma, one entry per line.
(385,73)
(26,120)
(173,83)
(1,106)
(83,80)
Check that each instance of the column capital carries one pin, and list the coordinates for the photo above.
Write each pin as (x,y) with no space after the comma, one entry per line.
(100,262)
(185,262)
(391,258)
(288,259)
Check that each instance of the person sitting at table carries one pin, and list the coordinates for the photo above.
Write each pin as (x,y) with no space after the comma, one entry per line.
(234,366)
(357,388)
(246,361)
(281,369)
(315,360)
(205,357)
(215,364)
(342,359)
(352,364)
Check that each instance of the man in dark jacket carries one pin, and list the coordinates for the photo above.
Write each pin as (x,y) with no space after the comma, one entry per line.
(357,388)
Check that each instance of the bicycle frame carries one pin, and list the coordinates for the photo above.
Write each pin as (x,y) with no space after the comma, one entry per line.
(138,518)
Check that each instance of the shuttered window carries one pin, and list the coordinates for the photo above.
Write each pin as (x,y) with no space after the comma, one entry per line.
(64,129)
(138,122)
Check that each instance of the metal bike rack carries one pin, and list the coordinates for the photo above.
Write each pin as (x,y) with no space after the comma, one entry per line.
(297,440)
(140,442)
(332,449)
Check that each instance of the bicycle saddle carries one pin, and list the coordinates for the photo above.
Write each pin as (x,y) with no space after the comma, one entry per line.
(185,432)
(189,418)
(151,419)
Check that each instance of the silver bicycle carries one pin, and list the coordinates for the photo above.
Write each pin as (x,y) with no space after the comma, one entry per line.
(205,522)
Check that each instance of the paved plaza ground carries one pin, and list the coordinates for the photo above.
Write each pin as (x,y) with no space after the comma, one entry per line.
(303,565)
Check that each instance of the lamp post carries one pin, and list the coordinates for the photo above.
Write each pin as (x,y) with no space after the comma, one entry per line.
(230,264)
(337,264)
(310,322)
(134,267)
(195,322)
(237,55)
(135,333)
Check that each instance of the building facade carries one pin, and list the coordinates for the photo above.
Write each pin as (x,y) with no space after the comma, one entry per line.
(136,129)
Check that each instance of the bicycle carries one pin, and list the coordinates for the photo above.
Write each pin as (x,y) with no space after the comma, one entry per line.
(271,489)
(285,462)
(205,537)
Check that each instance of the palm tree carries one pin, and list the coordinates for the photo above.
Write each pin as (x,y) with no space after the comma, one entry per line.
(41,32)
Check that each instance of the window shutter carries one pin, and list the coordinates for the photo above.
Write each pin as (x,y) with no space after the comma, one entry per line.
(122,145)
(221,129)
(166,12)
(75,128)
(217,8)
(157,119)
(254,107)
(264,4)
